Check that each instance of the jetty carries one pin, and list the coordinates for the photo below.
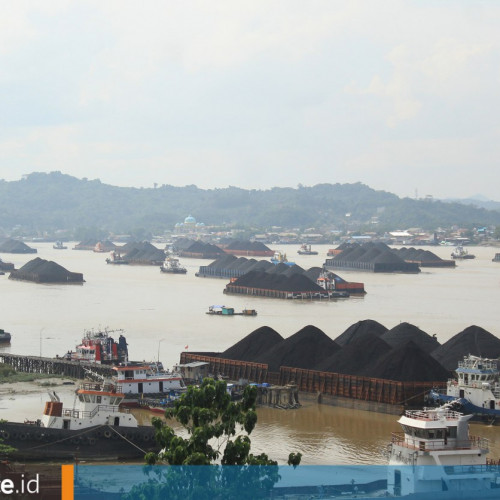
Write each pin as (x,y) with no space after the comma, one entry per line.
(53,366)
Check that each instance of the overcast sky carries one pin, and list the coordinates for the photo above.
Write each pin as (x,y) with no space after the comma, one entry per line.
(403,96)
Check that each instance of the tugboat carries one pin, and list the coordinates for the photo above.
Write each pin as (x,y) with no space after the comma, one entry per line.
(475,391)
(94,429)
(439,437)
(280,258)
(172,266)
(58,245)
(116,258)
(461,253)
(306,250)
(99,347)
(496,258)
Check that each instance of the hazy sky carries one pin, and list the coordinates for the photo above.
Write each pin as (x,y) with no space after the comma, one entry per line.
(403,96)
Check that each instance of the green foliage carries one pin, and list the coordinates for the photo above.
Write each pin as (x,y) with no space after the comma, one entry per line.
(43,202)
(218,429)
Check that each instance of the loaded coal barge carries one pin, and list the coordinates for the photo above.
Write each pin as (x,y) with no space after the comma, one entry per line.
(94,429)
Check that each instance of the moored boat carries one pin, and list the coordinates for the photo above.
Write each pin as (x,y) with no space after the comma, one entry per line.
(141,379)
(496,258)
(99,347)
(281,258)
(116,258)
(95,428)
(475,391)
(436,457)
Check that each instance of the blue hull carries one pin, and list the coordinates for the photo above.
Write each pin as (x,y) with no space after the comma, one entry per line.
(480,414)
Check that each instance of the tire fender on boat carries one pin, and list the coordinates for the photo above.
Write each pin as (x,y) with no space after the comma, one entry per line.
(5,435)
(107,434)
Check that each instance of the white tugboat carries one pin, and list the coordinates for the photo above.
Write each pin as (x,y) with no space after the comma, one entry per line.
(94,428)
(172,266)
(439,437)
(476,390)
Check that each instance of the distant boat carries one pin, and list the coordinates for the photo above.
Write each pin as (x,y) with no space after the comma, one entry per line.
(496,258)
(229,311)
(461,253)
(4,336)
(306,250)
(116,258)
(58,245)
(173,266)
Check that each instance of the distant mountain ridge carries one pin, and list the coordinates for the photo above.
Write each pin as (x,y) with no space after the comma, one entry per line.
(50,201)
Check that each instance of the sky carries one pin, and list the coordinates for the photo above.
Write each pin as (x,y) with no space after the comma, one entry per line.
(402,96)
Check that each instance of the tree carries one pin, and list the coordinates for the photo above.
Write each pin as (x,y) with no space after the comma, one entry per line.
(212,421)
(218,430)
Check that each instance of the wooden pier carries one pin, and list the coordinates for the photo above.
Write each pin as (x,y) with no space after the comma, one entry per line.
(53,366)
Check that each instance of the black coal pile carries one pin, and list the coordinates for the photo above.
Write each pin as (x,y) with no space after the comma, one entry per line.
(409,363)
(88,244)
(405,332)
(254,345)
(251,246)
(305,349)
(15,246)
(473,340)
(359,330)
(202,250)
(376,257)
(358,357)
(277,281)
(43,271)
(142,253)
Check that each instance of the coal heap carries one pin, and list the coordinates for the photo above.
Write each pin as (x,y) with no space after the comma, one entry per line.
(404,332)
(305,349)
(378,257)
(88,244)
(253,246)
(15,246)
(142,252)
(42,271)
(359,330)
(201,249)
(408,363)
(358,357)
(254,345)
(277,281)
(473,340)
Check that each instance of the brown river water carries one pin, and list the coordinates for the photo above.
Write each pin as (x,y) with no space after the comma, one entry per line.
(162,315)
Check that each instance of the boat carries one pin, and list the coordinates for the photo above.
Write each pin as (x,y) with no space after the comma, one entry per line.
(436,457)
(141,379)
(280,258)
(229,311)
(4,336)
(475,391)
(159,405)
(58,245)
(328,281)
(116,258)
(95,428)
(461,253)
(98,346)
(306,250)
(496,258)
(172,266)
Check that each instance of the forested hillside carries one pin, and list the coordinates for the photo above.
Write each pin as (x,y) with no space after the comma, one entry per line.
(57,201)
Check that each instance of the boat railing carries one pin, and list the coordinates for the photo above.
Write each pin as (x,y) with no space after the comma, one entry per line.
(101,387)
(433,414)
(474,442)
(73,413)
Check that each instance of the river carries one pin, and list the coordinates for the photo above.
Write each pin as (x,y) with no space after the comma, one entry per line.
(163,314)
